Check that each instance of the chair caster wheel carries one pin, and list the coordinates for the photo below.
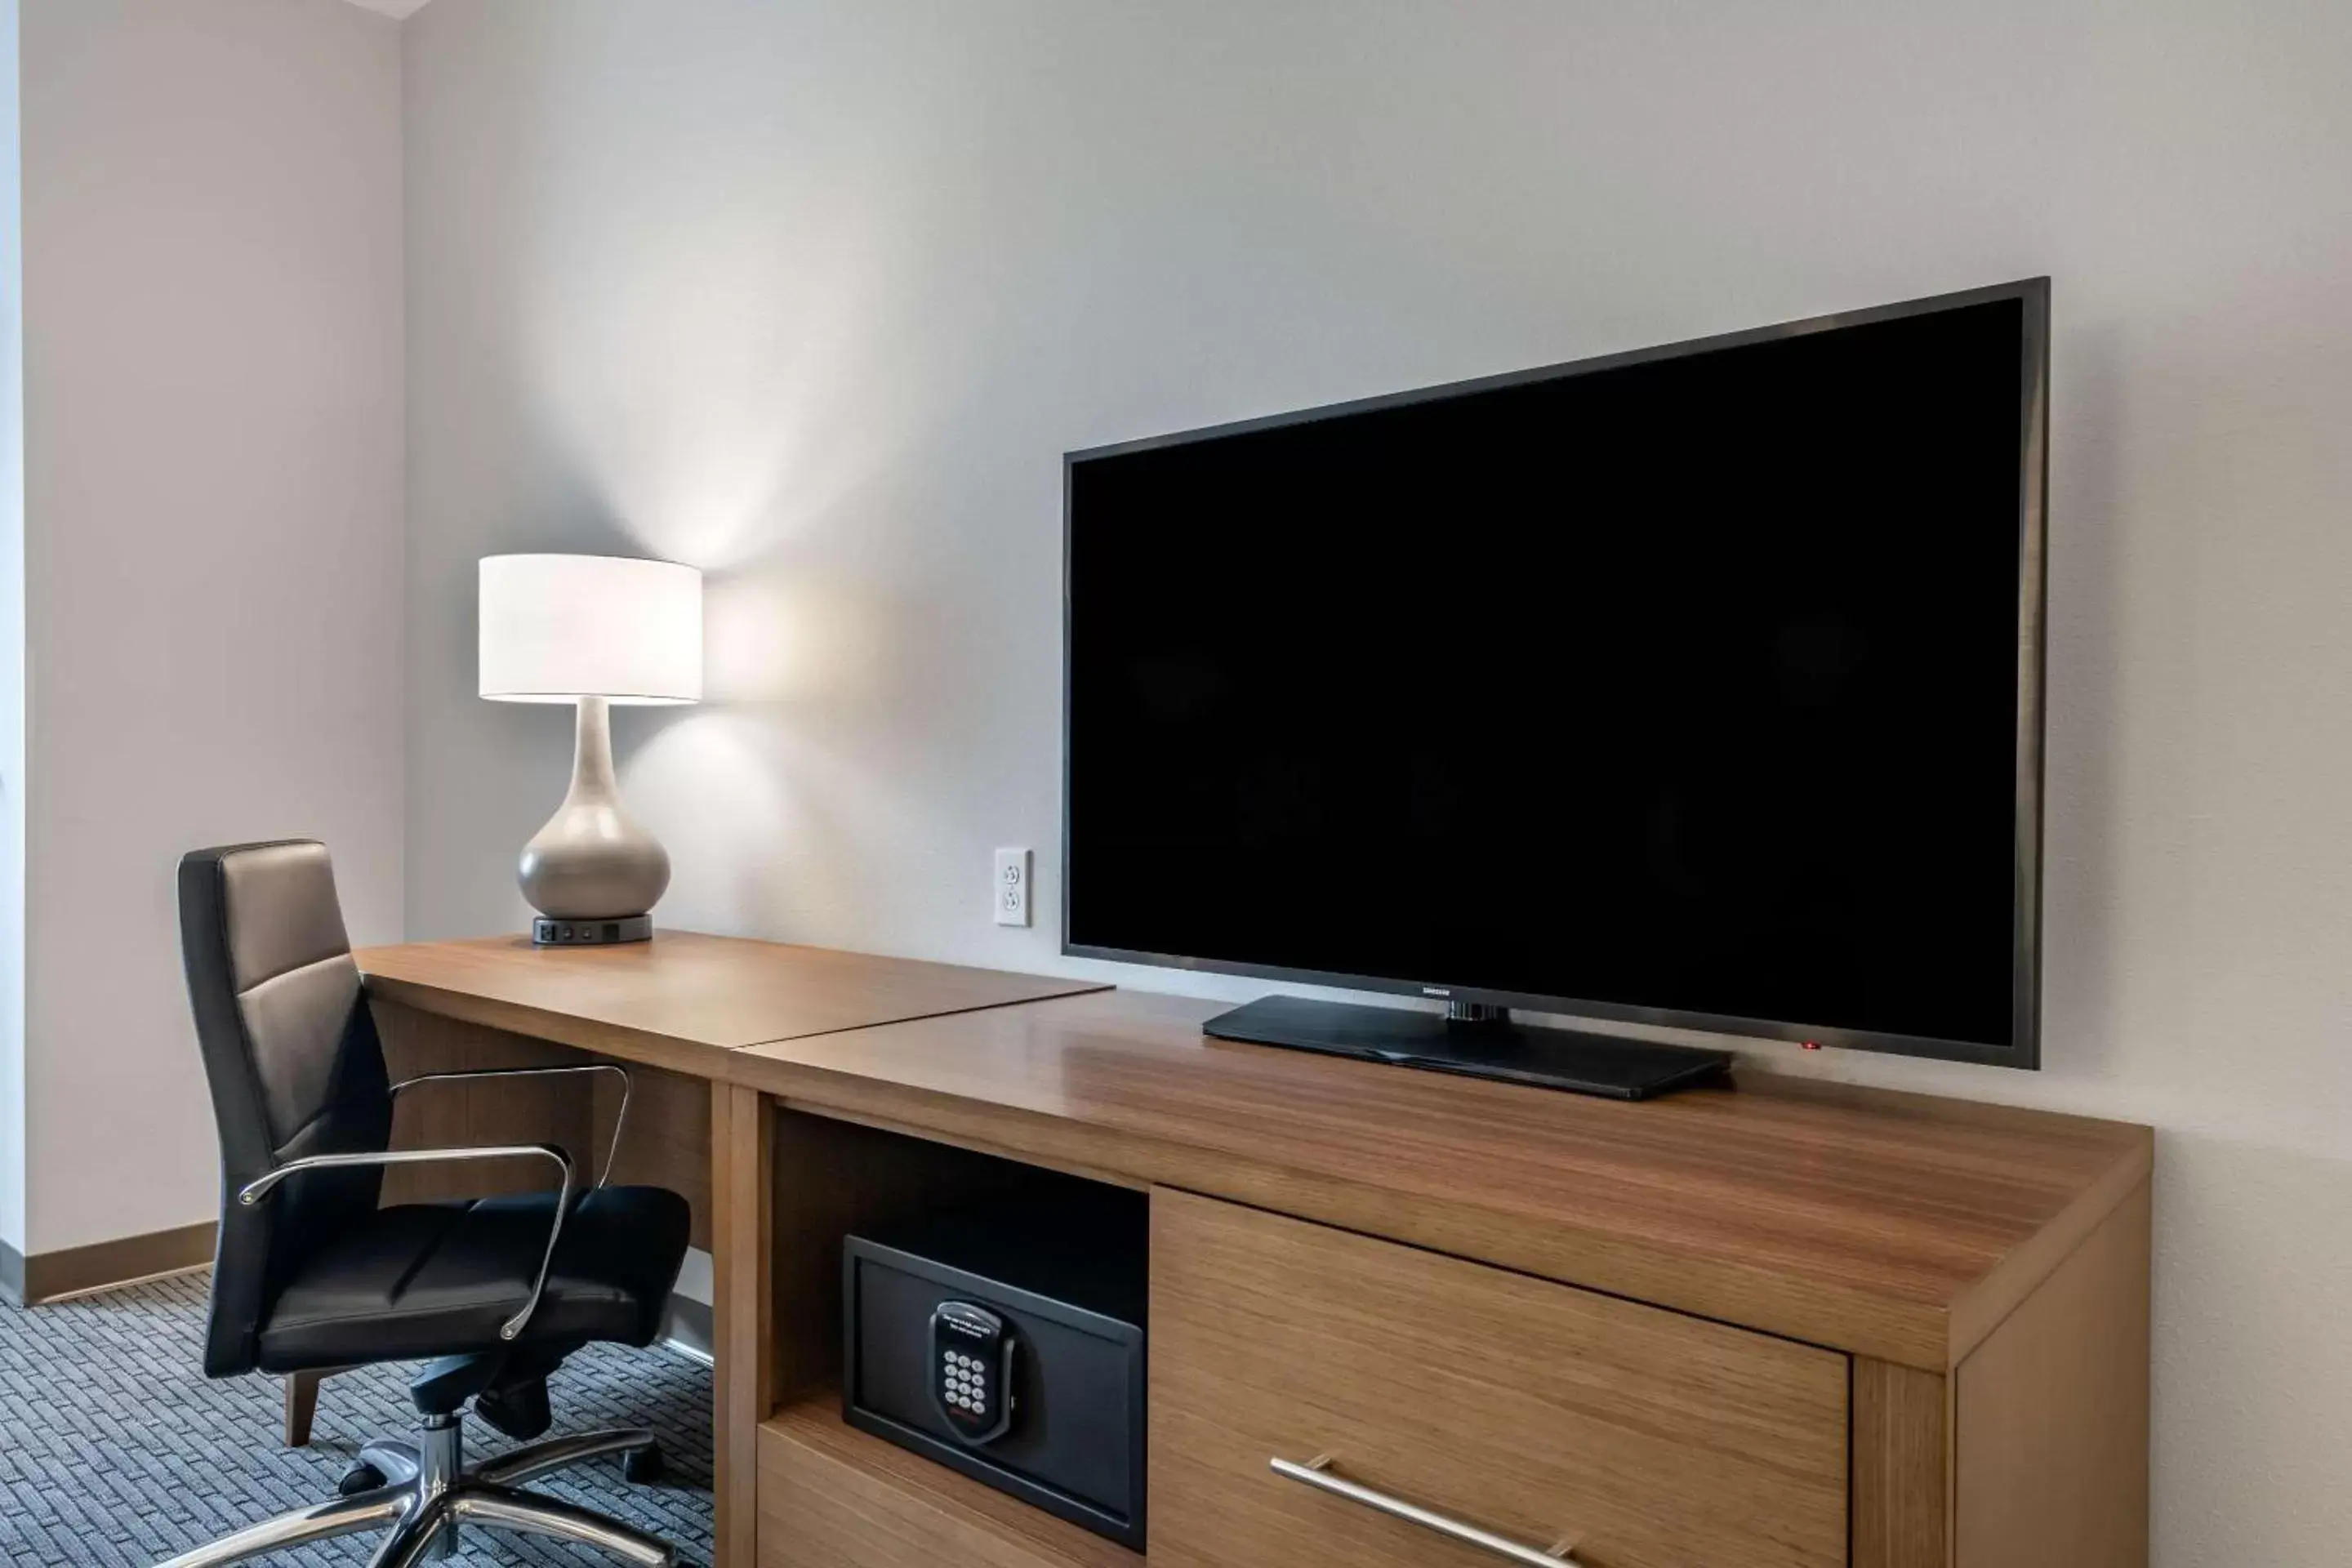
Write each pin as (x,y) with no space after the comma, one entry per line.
(644,1465)
(361,1476)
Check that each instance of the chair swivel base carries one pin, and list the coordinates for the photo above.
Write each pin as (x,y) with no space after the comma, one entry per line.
(429,1493)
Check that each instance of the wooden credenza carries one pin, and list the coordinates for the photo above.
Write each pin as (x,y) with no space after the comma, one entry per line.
(1784,1324)
(1776,1324)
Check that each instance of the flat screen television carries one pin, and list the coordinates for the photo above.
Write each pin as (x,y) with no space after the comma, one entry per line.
(1697,686)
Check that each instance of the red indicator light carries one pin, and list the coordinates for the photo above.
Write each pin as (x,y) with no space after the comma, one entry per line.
(1813,1044)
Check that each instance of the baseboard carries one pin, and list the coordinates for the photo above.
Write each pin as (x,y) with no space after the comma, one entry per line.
(688,1327)
(79,1270)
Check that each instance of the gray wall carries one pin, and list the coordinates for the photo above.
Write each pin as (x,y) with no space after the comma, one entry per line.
(12,656)
(214,517)
(814,295)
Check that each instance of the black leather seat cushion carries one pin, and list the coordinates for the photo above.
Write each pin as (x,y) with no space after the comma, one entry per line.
(432,1280)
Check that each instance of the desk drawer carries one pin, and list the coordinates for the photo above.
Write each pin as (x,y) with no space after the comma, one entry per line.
(1527,1409)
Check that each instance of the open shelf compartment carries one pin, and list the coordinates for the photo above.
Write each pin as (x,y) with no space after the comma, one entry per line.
(829,1493)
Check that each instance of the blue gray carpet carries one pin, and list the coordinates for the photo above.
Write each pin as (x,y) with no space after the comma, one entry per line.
(115,1449)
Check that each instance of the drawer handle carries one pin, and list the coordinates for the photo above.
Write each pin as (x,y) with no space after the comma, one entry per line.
(1317,1473)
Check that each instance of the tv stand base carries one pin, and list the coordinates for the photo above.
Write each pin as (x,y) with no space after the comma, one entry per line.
(1475,1040)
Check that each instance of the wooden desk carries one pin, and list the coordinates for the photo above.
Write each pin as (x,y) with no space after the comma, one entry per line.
(1781,1323)
(674,1008)
(671,1002)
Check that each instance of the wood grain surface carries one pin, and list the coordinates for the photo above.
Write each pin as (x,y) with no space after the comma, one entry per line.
(671,1000)
(664,1138)
(2051,1415)
(557,1110)
(1984,1267)
(1647,1438)
(833,1179)
(743,1156)
(832,1497)
(1902,1467)
(1870,1221)
(666,1141)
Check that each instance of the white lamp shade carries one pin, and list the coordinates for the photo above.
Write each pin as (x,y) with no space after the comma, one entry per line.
(557,627)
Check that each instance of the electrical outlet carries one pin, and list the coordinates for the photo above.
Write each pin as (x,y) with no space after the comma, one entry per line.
(1012,887)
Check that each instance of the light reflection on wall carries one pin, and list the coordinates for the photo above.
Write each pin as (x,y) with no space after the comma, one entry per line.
(707,369)
(695,367)
(762,820)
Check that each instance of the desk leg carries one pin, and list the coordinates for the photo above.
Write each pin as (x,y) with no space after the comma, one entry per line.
(742,1183)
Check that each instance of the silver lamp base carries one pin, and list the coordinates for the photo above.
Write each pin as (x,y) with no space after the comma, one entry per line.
(592,872)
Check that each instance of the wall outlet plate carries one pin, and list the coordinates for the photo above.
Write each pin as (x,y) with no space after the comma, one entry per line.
(1010,888)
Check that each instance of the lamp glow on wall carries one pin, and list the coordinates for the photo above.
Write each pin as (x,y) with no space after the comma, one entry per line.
(591,630)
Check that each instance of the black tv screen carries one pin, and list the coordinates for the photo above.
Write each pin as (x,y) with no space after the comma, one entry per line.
(1697,686)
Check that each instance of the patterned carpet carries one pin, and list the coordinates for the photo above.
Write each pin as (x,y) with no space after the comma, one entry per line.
(115,1450)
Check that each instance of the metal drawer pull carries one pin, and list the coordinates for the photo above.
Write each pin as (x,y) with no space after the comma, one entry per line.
(1317,1473)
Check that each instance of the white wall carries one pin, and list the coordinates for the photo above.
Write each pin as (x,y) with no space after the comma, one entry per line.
(815,295)
(212,194)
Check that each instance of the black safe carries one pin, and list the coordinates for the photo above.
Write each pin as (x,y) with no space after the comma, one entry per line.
(1008,1342)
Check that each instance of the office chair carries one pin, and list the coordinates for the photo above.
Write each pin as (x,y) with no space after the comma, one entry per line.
(311,1273)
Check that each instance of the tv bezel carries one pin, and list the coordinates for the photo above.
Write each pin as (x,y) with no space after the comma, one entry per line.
(2025,1048)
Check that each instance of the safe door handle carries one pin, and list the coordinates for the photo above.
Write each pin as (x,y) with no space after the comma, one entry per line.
(1318,1473)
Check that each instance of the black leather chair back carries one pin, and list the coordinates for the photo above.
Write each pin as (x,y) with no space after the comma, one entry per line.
(296,1067)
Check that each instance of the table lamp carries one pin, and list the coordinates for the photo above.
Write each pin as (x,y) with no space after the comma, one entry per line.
(591,630)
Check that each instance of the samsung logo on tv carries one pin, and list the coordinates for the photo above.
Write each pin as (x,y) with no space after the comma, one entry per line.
(1435,990)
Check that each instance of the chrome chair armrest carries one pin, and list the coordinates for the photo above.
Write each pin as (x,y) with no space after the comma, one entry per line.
(253,1192)
(620,1119)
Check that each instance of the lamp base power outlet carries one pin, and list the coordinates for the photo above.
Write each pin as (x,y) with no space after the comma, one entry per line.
(546,931)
